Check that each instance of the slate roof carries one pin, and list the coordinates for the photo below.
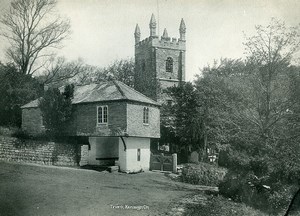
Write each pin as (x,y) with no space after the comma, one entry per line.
(104,91)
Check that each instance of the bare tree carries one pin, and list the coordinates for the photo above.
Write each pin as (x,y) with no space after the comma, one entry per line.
(58,71)
(273,45)
(121,70)
(33,31)
(271,51)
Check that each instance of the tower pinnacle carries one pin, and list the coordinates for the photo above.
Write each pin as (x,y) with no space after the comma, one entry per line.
(137,34)
(165,34)
(182,30)
(152,26)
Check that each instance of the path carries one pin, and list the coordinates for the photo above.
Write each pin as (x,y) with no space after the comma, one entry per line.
(39,190)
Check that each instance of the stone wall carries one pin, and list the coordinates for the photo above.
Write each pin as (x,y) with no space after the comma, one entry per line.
(136,127)
(84,155)
(40,152)
(145,73)
(161,57)
(85,119)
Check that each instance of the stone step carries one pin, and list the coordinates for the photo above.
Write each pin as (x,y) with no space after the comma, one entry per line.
(113,168)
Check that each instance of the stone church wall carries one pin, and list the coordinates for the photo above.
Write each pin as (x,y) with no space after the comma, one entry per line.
(161,57)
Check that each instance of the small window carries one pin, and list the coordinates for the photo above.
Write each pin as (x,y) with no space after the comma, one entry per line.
(102,113)
(138,154)
(146,115)
(169,65)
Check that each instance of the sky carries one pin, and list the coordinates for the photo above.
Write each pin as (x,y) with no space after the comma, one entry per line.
(102,30)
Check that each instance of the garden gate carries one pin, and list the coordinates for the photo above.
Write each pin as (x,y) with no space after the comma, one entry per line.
(163,162)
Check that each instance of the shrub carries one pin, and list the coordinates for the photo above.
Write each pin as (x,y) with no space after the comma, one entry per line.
(280,199)
(56,108)
(20,134)
(7,131)
(253,191)
(203,174)
(232,187)
(219,206)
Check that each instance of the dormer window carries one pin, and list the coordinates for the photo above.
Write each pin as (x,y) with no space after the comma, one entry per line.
(169,65)
(146,115)
(102,113)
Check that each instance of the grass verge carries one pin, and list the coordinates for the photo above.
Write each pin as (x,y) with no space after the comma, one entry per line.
(220,206)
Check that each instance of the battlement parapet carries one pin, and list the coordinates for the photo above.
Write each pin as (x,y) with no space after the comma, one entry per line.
(166,42)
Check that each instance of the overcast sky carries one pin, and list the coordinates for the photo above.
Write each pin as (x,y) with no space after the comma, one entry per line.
(103,29)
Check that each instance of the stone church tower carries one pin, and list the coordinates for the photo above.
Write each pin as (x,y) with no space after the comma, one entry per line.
(159,62)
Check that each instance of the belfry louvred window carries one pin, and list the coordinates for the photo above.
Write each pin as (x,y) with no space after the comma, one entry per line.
(169,65)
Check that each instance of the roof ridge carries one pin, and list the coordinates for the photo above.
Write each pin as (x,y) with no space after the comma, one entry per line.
(119,89)
(138,92)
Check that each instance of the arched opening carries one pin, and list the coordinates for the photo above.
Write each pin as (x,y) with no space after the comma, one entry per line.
(169,65)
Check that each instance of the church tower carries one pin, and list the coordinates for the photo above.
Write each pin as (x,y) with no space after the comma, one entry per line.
(159,62)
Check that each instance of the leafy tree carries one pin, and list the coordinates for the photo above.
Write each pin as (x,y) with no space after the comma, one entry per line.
(215,101)
(199,114)
(15,90)
(257,107)
(231,94)
(56,108)
(32,31)
(180,120)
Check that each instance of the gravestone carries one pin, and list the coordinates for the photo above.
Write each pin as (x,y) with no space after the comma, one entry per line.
(194,157)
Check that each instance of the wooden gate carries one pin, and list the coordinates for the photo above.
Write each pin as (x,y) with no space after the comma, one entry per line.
(161,162)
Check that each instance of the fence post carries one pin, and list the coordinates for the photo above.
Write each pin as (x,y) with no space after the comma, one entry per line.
(174,157)
(161,162)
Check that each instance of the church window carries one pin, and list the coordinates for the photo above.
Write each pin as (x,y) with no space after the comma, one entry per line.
(102,113)
(169,65)
(146,115)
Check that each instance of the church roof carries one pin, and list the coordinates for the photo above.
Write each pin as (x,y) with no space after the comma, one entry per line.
(101,92)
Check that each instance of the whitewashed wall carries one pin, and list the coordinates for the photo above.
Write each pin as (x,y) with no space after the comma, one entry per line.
(128,160)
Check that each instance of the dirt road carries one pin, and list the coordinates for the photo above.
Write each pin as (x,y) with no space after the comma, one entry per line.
(40,190)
